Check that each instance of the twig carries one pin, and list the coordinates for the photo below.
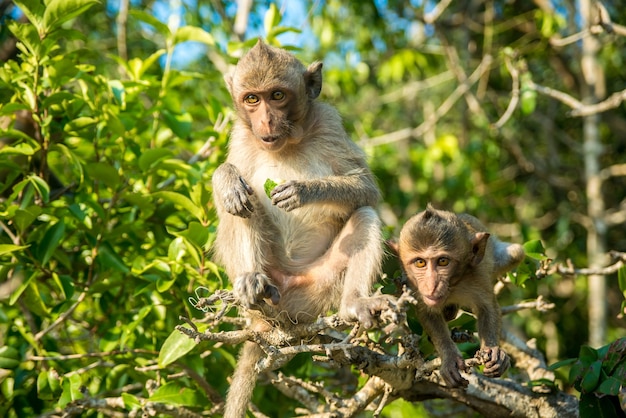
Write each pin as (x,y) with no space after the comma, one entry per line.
(434,14)
(514,94)
(538,304)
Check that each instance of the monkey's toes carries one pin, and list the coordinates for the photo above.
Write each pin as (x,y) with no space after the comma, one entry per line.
(496,361)
(367,310)
(252,288)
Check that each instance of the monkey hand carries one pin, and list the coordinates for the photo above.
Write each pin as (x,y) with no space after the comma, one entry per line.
(233,191)
(495,359)
(451,371)
(290,195)
(367,310)
(252,288)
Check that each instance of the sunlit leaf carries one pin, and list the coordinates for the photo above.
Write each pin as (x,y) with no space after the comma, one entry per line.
(10,357)
(193,33)
(71,389)
(173,393)
(174,347)
(182,201)
(59,11)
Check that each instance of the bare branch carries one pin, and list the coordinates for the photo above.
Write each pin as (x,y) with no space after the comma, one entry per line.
(441,111)
(434,14)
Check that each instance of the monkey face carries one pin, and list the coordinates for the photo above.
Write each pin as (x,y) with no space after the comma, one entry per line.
(431,273)
(268,116)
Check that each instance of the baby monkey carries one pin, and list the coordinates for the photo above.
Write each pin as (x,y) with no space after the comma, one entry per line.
(451,260)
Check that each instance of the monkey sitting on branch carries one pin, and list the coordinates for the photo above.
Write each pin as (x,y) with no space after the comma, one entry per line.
(451,260)
(314,242)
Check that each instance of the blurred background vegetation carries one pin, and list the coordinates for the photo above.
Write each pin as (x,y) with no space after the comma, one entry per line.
(114,116)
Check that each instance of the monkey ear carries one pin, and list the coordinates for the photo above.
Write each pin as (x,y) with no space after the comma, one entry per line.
(479,245)
(228,78)
(393,244)
(313,79)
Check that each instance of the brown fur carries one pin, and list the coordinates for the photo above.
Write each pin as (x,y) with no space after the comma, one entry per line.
(316,243)
(451,260)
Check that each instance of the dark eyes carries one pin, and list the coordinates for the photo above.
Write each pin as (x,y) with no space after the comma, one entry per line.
(254,99)
(442,262)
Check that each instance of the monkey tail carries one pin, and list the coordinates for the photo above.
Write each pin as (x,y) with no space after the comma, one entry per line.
(243,382)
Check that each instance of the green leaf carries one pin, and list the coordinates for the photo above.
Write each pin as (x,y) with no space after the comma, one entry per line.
(110,259)
(194,34)
(268,186)
(71,390)
(58,12)
(180,124)
(151,156)
(17,149)
(173,393)
(562,363)
(535,249)
(131,403)
(591,377)
(271,19)
(621,279)
(33,9)
(592,406)
(197,234)
(175,346)
(50,241)
(161,27)
(587,355)
(24,218)
(10,357)
(182,201)
(10,248)
(528,101)
(104,173)
(610,386)
(41,186)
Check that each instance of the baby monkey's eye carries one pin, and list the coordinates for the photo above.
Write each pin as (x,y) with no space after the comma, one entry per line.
(278,95)
(420,262)
(251,99)
(443,261)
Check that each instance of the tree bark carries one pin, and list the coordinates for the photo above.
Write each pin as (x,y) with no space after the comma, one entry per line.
(592,90)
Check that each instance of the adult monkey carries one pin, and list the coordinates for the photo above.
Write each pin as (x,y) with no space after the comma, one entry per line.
(316,242)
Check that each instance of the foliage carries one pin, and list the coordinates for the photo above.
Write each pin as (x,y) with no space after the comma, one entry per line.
(105,202)
(105,226)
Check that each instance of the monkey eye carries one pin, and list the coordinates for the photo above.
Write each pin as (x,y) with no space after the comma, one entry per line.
(420,262)
(443,261)
(278,95)
(251,99)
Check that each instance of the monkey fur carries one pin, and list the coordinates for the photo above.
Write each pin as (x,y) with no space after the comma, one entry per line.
(315,244)
(451,260)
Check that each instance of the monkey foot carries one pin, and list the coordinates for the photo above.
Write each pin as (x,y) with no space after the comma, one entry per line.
(253,288)
(367,310)
(496,361)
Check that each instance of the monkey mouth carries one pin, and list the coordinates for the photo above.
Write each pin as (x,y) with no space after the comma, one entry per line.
(432,300)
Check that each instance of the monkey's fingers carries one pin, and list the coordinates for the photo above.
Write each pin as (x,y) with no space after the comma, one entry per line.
(288,196)
(496,361)
(450,371)
(238,203)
